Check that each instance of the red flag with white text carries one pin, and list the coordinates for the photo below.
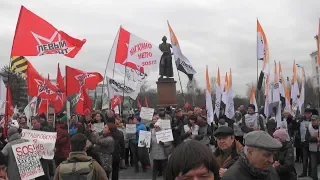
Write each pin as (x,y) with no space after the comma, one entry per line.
(115,101)
(34,36)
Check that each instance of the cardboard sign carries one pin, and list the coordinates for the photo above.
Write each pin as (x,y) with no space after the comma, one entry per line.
(164,136)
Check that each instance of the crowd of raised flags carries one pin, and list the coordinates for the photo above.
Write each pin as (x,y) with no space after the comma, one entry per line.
(127,70)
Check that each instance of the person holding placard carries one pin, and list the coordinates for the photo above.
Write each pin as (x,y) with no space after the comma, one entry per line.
(191,130)
(13,138)
(157,153)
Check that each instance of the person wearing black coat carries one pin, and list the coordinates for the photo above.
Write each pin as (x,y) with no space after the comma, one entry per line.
(284,158)
(119,148)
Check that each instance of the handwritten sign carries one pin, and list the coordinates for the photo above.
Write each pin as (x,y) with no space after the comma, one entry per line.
(164,124)
(98,127)
(146,113)
(44,142)
(27,160)
(194,130)
(144,139)
(131,128)
(164,136)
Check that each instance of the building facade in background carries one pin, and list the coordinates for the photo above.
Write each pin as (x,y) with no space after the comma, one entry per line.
(315,68)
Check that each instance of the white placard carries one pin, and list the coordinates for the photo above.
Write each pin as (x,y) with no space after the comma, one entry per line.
(194,130)
(164,136)
(146,113)
(98,127)
(44,142)
(164,124)
(131,128)
(27,160)
(144,139)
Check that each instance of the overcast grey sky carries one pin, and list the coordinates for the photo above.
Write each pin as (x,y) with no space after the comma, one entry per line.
(211,32)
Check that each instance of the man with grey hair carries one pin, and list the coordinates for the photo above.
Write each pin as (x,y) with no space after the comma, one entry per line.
(256,160)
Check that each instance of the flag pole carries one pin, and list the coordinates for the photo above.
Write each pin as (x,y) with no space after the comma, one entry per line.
(105,70)
(184,100)
(257,55)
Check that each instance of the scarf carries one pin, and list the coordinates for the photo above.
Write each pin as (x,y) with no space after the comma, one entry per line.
(254,172)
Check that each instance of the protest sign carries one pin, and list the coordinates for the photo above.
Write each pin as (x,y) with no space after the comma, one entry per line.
(44,142)
(164,124)
(131,128)
(144,139)
(27,160)
(164,136)
(98,127)
(146,113)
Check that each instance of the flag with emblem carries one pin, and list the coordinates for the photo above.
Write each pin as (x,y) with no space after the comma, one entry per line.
(294,90)
(18,64)
(60,97)
(35,37)
(218,95)
(262,53)
(81,103)
(38,85)
(77,80)
(209,107)
(183,64)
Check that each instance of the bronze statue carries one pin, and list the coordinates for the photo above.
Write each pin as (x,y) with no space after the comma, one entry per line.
(165,66)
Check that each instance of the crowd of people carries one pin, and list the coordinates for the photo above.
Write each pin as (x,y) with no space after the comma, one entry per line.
(250,146)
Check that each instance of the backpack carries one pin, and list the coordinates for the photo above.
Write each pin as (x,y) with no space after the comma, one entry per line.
(75,170)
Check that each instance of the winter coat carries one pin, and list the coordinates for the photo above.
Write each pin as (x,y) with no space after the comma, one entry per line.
(13,170)
(271,126)
(285,156)
(232,158)
(156,150)
(98,172)
(177,128)
(62,142)
(244,171)
(105,147)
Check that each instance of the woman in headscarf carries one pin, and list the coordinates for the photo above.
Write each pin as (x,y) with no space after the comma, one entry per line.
(284,159)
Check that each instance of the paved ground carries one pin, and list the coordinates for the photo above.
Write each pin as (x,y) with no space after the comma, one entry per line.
(130,174)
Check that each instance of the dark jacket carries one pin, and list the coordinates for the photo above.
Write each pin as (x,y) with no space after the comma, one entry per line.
(118,143)
(285,157)
(177,128)
(232,157)
(62,142)
(240,170)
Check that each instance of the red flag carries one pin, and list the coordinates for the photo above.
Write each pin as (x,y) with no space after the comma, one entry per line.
(9,104)
(139,104)
(84,104)
(42,106)
(77,79)
(39,86)
(35,37)
(60,81)
(58,102)
(146,101)
(115,101)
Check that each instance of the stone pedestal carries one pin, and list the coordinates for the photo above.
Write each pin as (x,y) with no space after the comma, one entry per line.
(167,95)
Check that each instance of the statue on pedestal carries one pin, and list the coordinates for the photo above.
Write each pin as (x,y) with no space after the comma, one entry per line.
(165,65)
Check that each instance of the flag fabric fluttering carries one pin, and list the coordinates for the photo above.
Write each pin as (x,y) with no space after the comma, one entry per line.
(60,97)
(35,37)
(276,96)
(115,101)
(268,97)
(230,103)
(218,96)
(262,53)
(139,104)
(183,64)
(3,96)
(294,90)
(18,64)
(209,107)
(288,104)
(281,87)
(76,80)
(225,89)
(253,97)
(302,92)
